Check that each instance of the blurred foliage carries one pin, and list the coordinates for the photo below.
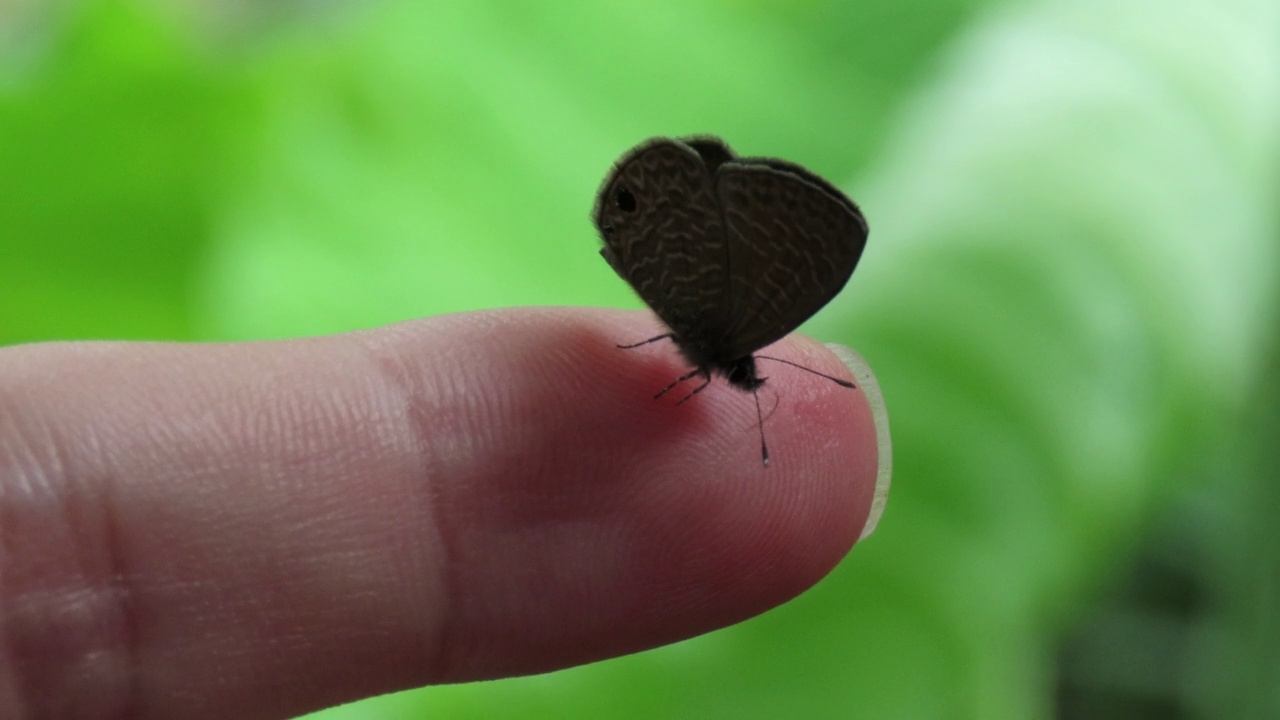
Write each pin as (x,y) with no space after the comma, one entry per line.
(1069,293)
(106,145)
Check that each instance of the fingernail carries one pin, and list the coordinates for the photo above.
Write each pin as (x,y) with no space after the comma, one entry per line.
(871,388)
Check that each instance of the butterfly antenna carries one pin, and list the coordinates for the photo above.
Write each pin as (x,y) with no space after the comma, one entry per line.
(664,336)
(832,378)
(764,449)
(776,401)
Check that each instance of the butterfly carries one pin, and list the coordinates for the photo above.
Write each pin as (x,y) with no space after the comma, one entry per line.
(731,253)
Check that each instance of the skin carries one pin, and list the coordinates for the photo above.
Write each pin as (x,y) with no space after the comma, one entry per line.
(257,530)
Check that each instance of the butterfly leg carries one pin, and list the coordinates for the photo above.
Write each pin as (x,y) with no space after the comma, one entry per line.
(664,336)
(836,380)
(705,382)
(678,380)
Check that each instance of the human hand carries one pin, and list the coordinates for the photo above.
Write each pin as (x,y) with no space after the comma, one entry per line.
(265,529)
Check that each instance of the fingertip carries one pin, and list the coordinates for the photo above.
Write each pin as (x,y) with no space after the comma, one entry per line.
(662,519)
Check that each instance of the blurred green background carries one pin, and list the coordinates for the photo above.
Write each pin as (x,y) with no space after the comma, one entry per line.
(1069,293)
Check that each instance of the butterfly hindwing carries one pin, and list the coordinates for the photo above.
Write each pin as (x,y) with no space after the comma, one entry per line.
(793,241)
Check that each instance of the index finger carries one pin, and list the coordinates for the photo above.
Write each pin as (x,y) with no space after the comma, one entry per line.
(263,529)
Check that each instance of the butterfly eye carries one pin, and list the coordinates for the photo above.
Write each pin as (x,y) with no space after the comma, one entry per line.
(625,201)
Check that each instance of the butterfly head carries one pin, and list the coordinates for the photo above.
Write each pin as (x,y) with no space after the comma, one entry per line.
(741,373)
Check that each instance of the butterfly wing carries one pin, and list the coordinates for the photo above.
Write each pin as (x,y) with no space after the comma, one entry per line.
(793,241)
(664,234)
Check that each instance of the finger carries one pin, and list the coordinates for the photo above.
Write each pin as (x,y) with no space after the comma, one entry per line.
(268,528)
